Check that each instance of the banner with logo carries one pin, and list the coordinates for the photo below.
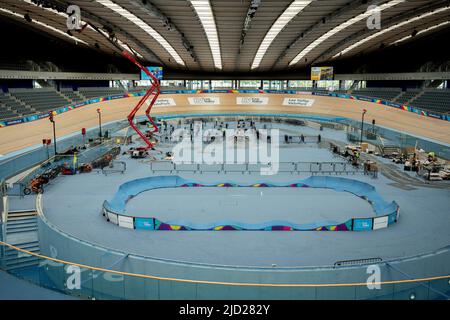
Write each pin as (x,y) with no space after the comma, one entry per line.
(165,102)
(252,100)
(202,101)
(298,102)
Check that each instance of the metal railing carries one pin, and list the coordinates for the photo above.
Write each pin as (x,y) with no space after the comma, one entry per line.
(107,283)
(330,168)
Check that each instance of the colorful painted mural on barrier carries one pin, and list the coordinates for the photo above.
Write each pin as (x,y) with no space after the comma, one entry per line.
(385,213)
(421,112)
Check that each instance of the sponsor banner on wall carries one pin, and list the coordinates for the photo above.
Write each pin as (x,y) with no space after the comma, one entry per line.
(165,102)
(299,102)
(365,99)
(252,100)
(202,101)
(250,91)
(380,223)
(126,222)
(362,224)
(321,94)
(113,217)
(144,223)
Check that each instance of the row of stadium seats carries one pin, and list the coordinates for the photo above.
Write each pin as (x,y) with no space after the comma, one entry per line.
(433,100)
(95,92)
(428,99)
(21,102)
(407,96)
(40,99)
(73,96)
(380,93)
(11,108)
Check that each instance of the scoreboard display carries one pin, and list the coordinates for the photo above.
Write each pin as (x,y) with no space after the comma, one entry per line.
(156,71)
(322,73)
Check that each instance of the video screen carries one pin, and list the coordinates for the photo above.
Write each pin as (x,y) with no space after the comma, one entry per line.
(156,71)
(322,73)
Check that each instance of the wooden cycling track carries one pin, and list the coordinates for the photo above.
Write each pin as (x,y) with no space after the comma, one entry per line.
(16,137)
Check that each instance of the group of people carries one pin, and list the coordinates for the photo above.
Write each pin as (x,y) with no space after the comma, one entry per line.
(288,139)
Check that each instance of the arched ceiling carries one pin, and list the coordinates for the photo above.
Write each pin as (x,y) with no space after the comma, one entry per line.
(237,35)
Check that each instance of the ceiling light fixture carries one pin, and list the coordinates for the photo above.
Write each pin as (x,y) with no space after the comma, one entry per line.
(391,28)
(34,21)
(291,12)
(206,16)
(341,27)
(421,32)
(141,24)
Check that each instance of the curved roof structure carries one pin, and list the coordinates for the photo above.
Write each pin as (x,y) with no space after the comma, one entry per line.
(237,35)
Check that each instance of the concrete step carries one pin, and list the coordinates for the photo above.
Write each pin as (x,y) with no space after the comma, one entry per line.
(12,227)
(19,255)
(22,263)
(21,221)
(14,215)
(14,253)
(22,229)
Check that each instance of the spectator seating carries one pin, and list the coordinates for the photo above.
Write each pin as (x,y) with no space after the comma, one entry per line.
(10,108)
(173,88)
(436,100)
(5,113)
(380,93)
(98,92)
(406,96)
(41,100)
(73,96)
(137,89)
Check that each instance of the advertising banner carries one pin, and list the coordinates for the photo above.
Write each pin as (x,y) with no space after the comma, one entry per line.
(252,100)
(299,102)
(144,223)
(165,102)
(126,222)
(113,218)
(380,223)
(204,101)
(362,224)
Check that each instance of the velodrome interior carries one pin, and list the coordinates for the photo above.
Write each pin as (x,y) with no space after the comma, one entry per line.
(364,155)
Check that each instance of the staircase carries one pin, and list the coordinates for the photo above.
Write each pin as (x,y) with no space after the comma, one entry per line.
(21,230)
(398,96)
(64,96)
(80,95)
(410,101)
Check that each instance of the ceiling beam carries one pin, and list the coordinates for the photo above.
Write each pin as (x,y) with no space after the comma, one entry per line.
(330,52)
(355,4)
(155,12)
(61,5)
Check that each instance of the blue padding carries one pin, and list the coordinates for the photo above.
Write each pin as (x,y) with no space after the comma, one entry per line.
(144,223)
(364,190)
(362,224)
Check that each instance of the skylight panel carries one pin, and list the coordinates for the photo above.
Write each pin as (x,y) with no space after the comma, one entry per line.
(206,16)
(341,27)
(291,12)
(141,24)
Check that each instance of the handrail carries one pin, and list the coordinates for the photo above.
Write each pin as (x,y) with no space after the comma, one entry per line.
(244,284)
(346,167)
